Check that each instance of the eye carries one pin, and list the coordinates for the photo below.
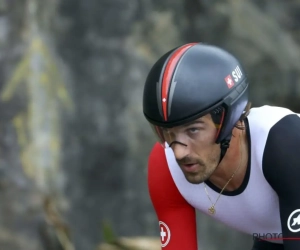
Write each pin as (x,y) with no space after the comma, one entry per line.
(193,130)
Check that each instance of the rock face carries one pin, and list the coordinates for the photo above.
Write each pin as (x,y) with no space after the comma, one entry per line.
(74,142)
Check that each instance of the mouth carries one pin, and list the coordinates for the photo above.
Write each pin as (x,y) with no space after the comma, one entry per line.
(190,168)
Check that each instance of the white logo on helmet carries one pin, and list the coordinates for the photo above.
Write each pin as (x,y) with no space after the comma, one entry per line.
(229,81)
(237,74)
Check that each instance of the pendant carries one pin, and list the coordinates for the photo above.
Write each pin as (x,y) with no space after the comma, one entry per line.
(212,210)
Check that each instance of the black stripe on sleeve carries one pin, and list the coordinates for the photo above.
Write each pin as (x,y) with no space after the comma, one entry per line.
(281,167)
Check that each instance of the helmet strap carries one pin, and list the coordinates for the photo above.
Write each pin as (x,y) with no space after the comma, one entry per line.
(224,145)
(218,116)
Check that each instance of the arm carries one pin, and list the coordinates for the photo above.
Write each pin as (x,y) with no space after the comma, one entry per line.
(281,167)
(171,208)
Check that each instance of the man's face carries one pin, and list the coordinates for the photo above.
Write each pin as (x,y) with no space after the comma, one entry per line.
(195,149)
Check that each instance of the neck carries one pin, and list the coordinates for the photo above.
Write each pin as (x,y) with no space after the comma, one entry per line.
(234,162)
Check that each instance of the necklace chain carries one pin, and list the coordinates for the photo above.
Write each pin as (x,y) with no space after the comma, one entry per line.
(212,209)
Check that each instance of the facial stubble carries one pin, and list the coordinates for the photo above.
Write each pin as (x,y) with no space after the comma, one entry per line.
(205,169)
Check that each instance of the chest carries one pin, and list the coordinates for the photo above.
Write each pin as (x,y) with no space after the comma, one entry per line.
(254,210)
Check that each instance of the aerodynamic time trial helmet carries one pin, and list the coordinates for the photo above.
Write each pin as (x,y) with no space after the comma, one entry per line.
(191,81)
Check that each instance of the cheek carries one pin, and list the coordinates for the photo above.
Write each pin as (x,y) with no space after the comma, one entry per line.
(206,146)
(208,137)
(212,134)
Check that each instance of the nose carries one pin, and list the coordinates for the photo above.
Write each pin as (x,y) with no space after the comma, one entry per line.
(180,150)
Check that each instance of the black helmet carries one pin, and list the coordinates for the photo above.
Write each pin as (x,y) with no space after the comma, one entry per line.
(191,81)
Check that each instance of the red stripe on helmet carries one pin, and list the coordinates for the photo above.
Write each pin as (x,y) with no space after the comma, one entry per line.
(168,73)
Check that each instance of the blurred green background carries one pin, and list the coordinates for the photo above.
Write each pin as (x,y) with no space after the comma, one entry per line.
(73,139)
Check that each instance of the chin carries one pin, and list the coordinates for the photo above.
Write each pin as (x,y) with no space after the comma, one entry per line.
(194,179)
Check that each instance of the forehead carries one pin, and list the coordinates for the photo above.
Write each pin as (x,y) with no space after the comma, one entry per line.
(202,120)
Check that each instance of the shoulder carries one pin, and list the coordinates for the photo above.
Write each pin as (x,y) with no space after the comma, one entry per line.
(281,153)
(271,126)
(262,119)
(277,123)
(162,188)
(283,139)
(157,151)
(157,160)
(267,116)
(158,169)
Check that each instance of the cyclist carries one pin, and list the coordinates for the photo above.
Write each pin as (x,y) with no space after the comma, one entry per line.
(217,155)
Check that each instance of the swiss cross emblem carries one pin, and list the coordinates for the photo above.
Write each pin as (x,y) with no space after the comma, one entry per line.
(229,81)
(165,234)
